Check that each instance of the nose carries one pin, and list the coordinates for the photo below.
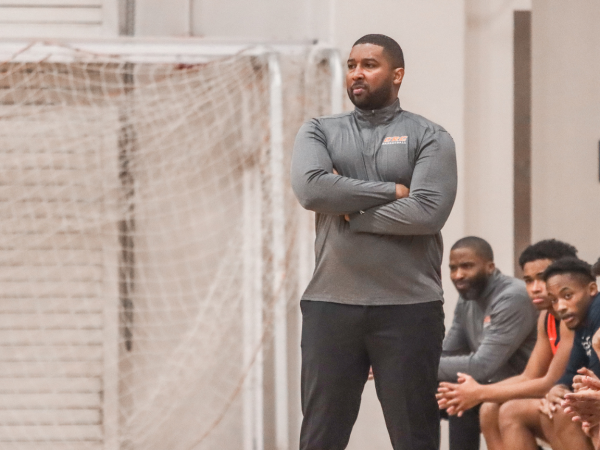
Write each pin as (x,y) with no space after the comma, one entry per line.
(538,286)
(457,275)
(560,307)
(357,73)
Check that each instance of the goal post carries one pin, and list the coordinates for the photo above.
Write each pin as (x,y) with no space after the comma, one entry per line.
(151,252)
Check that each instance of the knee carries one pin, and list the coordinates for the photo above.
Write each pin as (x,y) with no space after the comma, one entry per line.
(488,416)
(562,421)
(509,414)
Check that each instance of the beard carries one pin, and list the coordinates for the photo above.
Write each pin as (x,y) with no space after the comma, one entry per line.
(371,99)
(474,287)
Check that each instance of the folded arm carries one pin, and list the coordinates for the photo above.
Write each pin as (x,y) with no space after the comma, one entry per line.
(432,194)
(319,189)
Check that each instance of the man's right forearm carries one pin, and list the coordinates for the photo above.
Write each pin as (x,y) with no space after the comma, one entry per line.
(327,193)
(319,189)
(514,388)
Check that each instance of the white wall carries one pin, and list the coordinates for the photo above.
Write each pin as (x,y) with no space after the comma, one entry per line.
(58,19)
(566,124)
(162,18)
(489,125)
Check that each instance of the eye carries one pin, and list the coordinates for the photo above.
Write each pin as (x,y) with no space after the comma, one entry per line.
(568,296)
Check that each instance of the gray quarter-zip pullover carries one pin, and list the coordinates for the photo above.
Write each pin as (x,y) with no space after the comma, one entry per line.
(391,250)
(492,336)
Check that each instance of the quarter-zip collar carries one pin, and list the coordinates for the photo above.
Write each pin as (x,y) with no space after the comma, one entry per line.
(485,295)
(378,116)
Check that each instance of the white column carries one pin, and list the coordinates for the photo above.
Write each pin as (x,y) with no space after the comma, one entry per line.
(248,309)
(337,82)
(252,320)
(253,359)
(257,310)
(278,253)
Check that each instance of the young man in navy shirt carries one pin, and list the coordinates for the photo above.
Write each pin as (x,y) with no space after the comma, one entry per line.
(574,292)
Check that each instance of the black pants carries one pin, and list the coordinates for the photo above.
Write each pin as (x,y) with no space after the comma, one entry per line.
(464,431)
(403,343)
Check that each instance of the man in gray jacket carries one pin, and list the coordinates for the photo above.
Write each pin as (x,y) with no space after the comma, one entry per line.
(382,182)
(493,331)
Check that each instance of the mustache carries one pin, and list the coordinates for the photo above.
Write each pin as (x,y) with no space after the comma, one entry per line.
(358,84)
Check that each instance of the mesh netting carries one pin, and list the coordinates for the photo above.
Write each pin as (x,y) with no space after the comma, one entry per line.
(136,261)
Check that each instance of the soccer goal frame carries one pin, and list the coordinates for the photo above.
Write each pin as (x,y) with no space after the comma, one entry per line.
(194,51)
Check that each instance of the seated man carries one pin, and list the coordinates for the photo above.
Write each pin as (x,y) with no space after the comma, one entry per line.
(546,364)
(574,292)
(493,331)
(584,403)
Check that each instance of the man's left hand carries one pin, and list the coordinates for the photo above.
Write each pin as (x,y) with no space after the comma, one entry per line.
(585,373)
(459,397)
(553,400)
(584,406)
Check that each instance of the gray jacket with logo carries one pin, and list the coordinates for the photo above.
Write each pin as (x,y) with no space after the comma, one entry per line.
(391,250)
(491,337)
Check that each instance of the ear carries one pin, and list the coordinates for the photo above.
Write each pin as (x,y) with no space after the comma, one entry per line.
(490,267)
(398,76)
(593,288)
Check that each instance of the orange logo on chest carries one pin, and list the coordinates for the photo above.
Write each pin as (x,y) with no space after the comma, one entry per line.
(395,140)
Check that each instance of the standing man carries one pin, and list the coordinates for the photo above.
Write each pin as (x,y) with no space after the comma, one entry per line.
(493,331)
(375,298)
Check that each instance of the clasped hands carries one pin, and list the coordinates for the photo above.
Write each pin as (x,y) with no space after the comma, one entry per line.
(583,404)
(401,192)
(458,397)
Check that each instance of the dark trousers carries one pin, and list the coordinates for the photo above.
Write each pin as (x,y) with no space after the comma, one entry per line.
(402,343)
(464,431)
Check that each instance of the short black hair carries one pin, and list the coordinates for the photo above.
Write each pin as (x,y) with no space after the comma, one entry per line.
(480,246)
(571,266)
(596,268)
(391,48)
(551,249)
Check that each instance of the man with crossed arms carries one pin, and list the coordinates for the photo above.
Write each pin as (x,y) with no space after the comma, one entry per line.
(375,298)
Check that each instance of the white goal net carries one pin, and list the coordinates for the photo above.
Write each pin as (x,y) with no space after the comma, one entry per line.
(151,252)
